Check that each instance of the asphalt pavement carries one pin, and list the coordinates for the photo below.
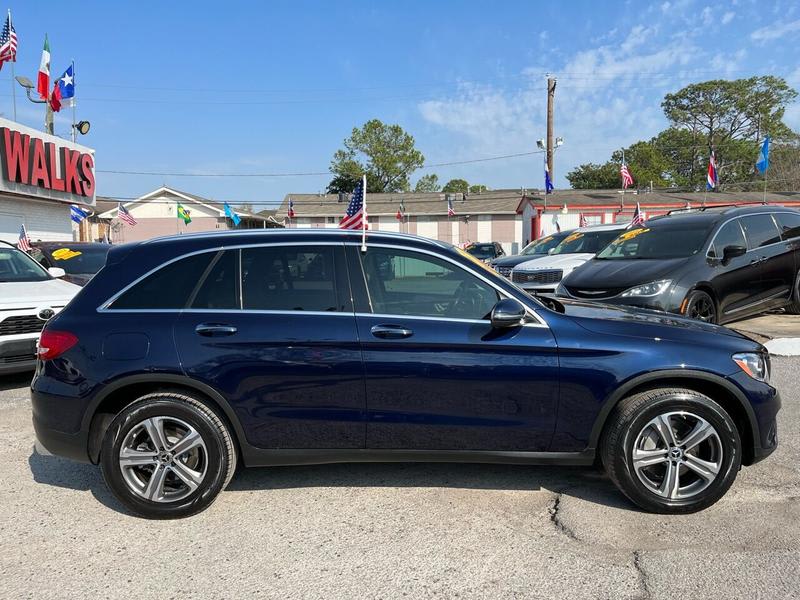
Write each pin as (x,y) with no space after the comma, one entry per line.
(395,530)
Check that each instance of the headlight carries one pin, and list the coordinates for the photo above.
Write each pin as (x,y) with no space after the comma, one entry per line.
(754,364)
(648,289)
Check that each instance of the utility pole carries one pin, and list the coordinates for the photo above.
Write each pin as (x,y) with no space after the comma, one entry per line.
(551,93)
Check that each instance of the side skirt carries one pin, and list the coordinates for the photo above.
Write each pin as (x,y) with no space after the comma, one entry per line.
(256,457)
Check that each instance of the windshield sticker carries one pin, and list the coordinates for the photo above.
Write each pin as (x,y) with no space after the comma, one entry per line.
(477,261)
(65,254)
(544,240)
(571,238)
(629,235)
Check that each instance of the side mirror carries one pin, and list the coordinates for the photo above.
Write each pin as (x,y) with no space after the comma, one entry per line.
(56,272)
(507,313)
(731,252)
(551,251)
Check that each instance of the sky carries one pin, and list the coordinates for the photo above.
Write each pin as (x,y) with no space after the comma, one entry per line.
(254,88)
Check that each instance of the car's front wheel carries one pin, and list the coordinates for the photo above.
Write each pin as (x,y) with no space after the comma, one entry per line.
(701,306)
(167,456)
(671,450)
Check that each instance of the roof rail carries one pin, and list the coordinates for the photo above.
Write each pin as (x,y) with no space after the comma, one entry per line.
(703,208)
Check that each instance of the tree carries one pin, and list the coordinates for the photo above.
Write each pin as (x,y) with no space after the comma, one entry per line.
(457,186)
(428,183)
(591,176)
(386,153)
(478,188)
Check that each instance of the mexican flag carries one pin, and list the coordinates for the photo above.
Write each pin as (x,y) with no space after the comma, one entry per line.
(43,85)
(184,214)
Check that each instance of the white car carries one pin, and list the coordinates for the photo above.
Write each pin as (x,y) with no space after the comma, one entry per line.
(542,275)
(29,296)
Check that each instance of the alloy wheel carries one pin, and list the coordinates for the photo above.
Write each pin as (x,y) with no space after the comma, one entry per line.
(703,309)
(163,459)
(677,455)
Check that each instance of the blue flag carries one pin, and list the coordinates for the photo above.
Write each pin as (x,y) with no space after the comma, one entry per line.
(548,184)
(763,157)
(77,214)
(232,215)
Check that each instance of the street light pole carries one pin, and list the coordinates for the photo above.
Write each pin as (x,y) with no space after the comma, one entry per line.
(48,114)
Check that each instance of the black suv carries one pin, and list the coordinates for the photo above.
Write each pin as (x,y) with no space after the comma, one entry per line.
(716,264)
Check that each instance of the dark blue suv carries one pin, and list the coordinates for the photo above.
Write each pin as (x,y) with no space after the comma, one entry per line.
(186,356)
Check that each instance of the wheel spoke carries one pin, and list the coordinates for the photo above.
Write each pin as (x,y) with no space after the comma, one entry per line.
(128,457)
(190,477)
(702,431)
(191,440)
(707,470)
(648,458)
(155,487)
(671,484)
(664,429)
(155,429)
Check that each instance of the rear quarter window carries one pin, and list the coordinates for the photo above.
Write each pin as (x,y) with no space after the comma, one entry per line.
(760,230)
(167,288)
(789,224)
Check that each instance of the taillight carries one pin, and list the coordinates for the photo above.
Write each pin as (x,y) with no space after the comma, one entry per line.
(53,344)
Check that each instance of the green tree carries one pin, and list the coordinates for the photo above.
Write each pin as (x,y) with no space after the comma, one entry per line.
(428,183)
(591,176)
(478,188)
(386,153)
(456,186)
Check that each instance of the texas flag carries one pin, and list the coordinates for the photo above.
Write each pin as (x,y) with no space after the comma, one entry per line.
(63,90)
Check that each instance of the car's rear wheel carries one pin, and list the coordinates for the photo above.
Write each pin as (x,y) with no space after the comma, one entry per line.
(167,455)
(794,306)
(701,306)
(671,450)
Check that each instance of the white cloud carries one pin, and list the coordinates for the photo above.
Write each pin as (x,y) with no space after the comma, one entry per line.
(707,16)
(775,31)
(728,17)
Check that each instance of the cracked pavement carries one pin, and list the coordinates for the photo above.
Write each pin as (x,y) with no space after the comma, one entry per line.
(393,530)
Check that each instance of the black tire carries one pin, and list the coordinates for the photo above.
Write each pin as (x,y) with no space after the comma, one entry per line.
(701,306)
(633,415)
(793,307)
(215,455)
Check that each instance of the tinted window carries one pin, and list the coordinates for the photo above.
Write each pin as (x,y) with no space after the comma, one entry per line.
(79,260)
(760,230)
(290,278)
(482,251)
(408,283)
(15,265)
(169,287)
(657,242)
(218,289)
(543,245)
(586,242)
(789,224)
(729,235)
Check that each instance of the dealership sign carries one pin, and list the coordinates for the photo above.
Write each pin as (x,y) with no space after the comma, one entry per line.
(42,165)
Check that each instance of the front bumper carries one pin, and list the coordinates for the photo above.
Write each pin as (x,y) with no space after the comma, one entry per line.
(18,353)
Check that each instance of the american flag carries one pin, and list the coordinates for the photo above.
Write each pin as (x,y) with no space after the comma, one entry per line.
(24,242)
(582,222)
(638,217)
(627,180)
(8,42)
(124,215)
(355,217)
(451,212)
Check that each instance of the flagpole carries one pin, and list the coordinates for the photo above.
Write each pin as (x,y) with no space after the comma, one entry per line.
(364,215)
(74,131)
(13,78)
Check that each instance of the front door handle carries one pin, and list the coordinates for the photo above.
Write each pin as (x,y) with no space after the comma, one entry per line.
(391,332)
(214,329)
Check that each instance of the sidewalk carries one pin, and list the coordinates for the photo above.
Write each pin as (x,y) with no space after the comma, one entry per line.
(779,332)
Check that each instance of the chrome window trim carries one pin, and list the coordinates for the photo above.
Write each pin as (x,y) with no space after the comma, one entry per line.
(771,213)
(502,293)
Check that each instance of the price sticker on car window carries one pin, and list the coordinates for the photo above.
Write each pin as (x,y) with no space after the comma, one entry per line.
(65,254)
(572,237)
(475,260)
(629,235)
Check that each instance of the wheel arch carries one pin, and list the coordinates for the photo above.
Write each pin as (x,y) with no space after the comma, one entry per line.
(125,391)
(725,393)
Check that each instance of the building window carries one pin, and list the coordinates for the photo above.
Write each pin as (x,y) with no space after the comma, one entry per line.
(331,220)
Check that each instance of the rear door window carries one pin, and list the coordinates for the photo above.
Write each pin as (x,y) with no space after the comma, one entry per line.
(789,224)
(760,231)
(168,288)
(219,288)
(301,278)
(730,234)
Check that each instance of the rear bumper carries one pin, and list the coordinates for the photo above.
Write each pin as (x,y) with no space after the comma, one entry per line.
(69,445)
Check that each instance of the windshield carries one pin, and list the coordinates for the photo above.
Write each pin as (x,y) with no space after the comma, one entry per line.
(657,243)
(543,245)
(79,260)
(17,266)
(589,242)
(481,251)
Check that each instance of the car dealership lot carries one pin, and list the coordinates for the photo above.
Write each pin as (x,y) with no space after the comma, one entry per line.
(378,530)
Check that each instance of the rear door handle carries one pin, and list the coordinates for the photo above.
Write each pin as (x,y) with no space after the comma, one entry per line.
(215,329)
(391,332)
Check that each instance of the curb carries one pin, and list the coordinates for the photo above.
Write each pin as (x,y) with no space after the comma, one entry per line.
(783,346)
